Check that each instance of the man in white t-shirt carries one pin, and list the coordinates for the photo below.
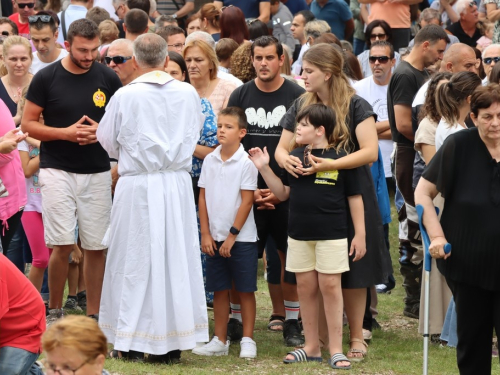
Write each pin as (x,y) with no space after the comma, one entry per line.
(44,35)
(374,90)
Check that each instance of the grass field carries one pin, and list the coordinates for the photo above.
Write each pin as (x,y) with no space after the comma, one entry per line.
(395,349)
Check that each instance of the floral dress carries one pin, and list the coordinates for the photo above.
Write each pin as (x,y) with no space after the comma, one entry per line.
(208,138)
(496,30)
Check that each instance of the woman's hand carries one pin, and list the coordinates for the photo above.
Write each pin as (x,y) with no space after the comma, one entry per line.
(436,248)
(358,247)
(293,166)
(258,157)
(317,165)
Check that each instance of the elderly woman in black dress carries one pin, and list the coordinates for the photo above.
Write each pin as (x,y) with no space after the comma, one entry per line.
(466,171)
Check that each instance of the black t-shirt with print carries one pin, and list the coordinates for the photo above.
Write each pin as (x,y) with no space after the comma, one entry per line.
(65,97)
(264,111)
(318,202)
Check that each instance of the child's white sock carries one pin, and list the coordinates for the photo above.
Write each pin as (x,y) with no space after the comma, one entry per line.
(292,309)
(236,311)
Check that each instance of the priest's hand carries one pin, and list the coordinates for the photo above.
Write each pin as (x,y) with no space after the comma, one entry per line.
(208,245)
(225,249)
(86,133)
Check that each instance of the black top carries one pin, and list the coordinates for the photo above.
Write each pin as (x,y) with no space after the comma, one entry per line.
(264,111)
(463,37)
(469,179)
(317,201)
(404,85)
(4,95)
(65,97)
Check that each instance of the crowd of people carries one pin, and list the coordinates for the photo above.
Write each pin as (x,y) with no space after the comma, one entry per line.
(151,154)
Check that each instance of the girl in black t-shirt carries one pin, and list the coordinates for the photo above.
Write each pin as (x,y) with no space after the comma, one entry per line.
(317,250)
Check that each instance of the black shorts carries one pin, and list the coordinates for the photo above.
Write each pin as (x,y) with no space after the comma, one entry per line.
(272,223)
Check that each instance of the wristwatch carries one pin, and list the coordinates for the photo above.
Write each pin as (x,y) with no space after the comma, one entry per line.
(234,231)
(174,15)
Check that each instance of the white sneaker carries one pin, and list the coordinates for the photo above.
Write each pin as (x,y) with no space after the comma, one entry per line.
(213,348)
(248,348)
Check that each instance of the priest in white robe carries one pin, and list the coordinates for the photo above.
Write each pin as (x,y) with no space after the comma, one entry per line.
(153,299)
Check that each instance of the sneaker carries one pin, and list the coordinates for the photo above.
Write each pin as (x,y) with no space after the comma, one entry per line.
(71,304)
(54,316)
(213,348)
(81,299)
(384,288)
(234,330)
(412,311)
(248,348)
(291,333)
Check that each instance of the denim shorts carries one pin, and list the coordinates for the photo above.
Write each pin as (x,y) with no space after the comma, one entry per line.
(240,268)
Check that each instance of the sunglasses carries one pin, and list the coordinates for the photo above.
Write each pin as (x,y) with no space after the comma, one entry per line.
(489,60)
(224,8)
(380,59)
(24,5)
(43,18)
(117,59)
(307,152)
(379,36)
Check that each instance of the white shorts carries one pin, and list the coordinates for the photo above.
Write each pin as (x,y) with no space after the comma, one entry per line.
(327,256)
(68,198)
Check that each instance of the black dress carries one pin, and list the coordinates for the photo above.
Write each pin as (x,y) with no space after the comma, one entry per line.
(4,95)
(469,179)
(375,267)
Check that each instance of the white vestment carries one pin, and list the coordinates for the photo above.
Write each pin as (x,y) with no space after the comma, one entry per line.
(153,299)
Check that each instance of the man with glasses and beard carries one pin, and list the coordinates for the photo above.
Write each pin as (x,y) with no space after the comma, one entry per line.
(74,169)
(26,8)
(43,30)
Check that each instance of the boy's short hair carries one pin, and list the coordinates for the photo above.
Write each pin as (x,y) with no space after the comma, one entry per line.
(238,113)
(319,115)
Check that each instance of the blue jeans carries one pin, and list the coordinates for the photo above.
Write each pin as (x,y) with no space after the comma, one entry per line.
(15,361)
(15,250)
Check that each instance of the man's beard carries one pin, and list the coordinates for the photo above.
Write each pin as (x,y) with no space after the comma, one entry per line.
(77,63)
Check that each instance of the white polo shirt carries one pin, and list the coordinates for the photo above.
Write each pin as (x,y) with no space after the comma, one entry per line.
(223,182)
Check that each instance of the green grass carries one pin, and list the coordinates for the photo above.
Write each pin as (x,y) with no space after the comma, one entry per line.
(395,349)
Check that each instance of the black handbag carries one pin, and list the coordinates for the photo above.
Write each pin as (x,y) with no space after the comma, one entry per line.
(180,20)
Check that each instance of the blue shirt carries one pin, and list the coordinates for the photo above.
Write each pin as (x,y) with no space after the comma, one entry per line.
(296,6)
(250,8)
(335,13)
(380,184)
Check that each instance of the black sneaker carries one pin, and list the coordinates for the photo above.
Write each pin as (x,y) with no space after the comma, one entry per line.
(94,316)
(234,330)
(291,333)
(170,358)
(412,311)
(81,299)
(375,324)
(72,304)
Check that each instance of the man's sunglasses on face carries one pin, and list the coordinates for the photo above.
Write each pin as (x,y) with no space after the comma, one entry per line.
(381,59)
(117,59)
(24,5)
(489,60)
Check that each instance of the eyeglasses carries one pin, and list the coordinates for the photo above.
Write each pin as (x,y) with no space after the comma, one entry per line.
(117,9)
(489,60)
(24,5)
(43,18)
(177,45)
(380,59)
(224,8)
(117,59)
(472,4)
(378,36)
(51,370)
(307,153)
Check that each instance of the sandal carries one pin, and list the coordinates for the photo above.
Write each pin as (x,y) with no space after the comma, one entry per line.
(276,323)
(131,355)
(300,355)
(336,358)
(357,351)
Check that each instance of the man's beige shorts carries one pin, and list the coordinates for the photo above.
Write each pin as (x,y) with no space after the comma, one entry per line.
(328,256)
(68,198)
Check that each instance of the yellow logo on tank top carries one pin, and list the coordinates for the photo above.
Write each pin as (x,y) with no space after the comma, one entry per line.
(327,177)
(99,98)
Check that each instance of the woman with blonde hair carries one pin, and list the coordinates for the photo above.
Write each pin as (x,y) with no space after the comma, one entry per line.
(203,65)
(17,58)
(326,83)
(209,18)
(108,33)
(74,344)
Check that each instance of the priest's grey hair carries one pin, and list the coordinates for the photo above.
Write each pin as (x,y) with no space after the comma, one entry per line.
(150,51)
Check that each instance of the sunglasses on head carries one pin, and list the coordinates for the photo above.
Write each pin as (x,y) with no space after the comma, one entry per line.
(489,60)
(381,59)
(117,59)
(24,5)
(43,18)
(472,4)
(224,8)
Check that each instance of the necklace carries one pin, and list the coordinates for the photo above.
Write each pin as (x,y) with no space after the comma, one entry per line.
(15,92)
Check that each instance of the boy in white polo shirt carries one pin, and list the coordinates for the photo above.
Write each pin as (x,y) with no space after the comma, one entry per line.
(228,233)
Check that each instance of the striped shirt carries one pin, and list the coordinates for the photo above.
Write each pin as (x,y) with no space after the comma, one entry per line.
(168,7)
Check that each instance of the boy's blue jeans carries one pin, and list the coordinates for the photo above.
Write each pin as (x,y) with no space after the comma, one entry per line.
(15,361)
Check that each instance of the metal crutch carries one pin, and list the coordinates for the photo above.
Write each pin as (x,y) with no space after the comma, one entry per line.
(427,272)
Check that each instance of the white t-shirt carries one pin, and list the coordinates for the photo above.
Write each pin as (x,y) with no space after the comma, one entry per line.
(376,95)
(223,182)
(419,98)
(444,130)
(297,65)
(38,65)
(32,184)
(229,77)
(71,14)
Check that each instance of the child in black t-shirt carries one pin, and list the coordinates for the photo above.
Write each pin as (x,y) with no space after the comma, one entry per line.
(317,244)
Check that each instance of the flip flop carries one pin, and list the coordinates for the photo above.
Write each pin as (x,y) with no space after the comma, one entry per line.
(336,358)
(276,323)
(300,355)
(352,351)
